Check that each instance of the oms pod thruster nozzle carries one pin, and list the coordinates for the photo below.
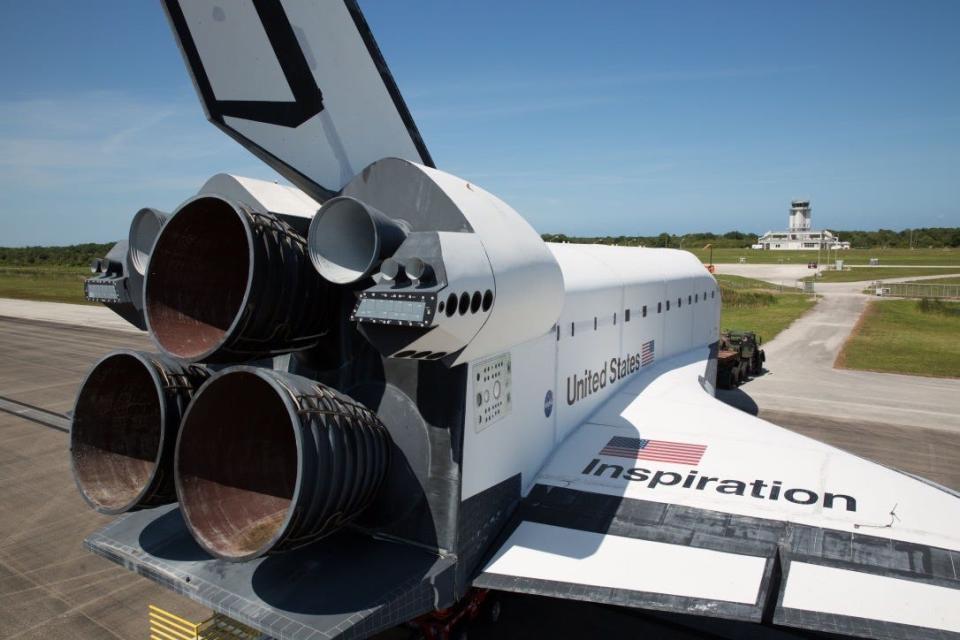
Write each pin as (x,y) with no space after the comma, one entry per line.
(228,284)
(348,239)
(268,461)
(124,429)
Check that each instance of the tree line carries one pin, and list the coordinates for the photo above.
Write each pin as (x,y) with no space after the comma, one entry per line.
(80,255)
(74,255)
(928,237)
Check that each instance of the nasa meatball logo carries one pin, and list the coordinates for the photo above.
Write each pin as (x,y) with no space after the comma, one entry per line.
(548,403)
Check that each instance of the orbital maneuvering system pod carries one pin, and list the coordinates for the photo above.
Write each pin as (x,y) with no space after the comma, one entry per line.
(377,390)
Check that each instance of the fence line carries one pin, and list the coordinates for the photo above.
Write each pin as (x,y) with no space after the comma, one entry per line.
(916,290)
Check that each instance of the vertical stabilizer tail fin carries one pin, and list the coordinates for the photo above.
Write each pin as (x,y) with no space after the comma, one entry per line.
(302,85)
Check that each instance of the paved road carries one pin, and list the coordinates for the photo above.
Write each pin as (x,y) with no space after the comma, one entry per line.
(776,273)
(802,379)
(51,588)
(788,274)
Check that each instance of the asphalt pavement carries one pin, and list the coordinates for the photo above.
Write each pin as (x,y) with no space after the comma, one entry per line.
(801,378)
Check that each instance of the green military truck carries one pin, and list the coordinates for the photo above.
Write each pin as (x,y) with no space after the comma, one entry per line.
(739,358)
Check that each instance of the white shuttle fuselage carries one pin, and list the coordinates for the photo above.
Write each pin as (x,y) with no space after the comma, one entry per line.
(623,310)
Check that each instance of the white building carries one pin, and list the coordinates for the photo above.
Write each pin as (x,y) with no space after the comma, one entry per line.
(800,235)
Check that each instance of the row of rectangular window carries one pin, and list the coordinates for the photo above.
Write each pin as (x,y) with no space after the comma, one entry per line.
(691,299)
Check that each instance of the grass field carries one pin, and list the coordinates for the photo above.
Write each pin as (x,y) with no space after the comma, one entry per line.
(49,284)
(754,305)
(741,282)
(917,257)
(767,320)
(898,336)
(865,274)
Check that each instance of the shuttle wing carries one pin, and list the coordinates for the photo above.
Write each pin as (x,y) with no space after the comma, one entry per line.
(302,85)
(667,499)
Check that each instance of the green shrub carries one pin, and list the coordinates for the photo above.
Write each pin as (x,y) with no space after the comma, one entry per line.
(933,305)
(746,298)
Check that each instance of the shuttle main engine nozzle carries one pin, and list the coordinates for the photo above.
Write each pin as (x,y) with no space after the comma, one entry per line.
(144,229)
(269,461)
(226,283)
(124,430)
(349,239)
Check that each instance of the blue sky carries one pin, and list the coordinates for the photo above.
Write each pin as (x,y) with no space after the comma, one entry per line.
(589,118)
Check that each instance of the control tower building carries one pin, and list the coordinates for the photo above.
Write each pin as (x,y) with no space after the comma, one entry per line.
(800,235)
(799,216)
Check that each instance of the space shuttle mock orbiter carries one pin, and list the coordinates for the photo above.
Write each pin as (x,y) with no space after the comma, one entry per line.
(379,389)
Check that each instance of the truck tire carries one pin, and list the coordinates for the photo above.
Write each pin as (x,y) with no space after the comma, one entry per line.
(723,378)
(493,612)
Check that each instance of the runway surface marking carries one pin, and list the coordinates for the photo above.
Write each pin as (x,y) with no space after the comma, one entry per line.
(46,418)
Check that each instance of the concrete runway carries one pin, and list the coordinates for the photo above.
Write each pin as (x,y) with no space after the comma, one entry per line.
(96,316)
(50,587)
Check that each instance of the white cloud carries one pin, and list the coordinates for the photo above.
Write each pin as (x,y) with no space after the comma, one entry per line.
(75,167)
(104,129)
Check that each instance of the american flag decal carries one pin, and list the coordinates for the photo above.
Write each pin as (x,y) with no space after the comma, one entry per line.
(659,450)
(646,353)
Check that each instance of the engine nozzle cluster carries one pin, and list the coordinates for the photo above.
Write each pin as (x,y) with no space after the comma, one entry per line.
(260,460)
